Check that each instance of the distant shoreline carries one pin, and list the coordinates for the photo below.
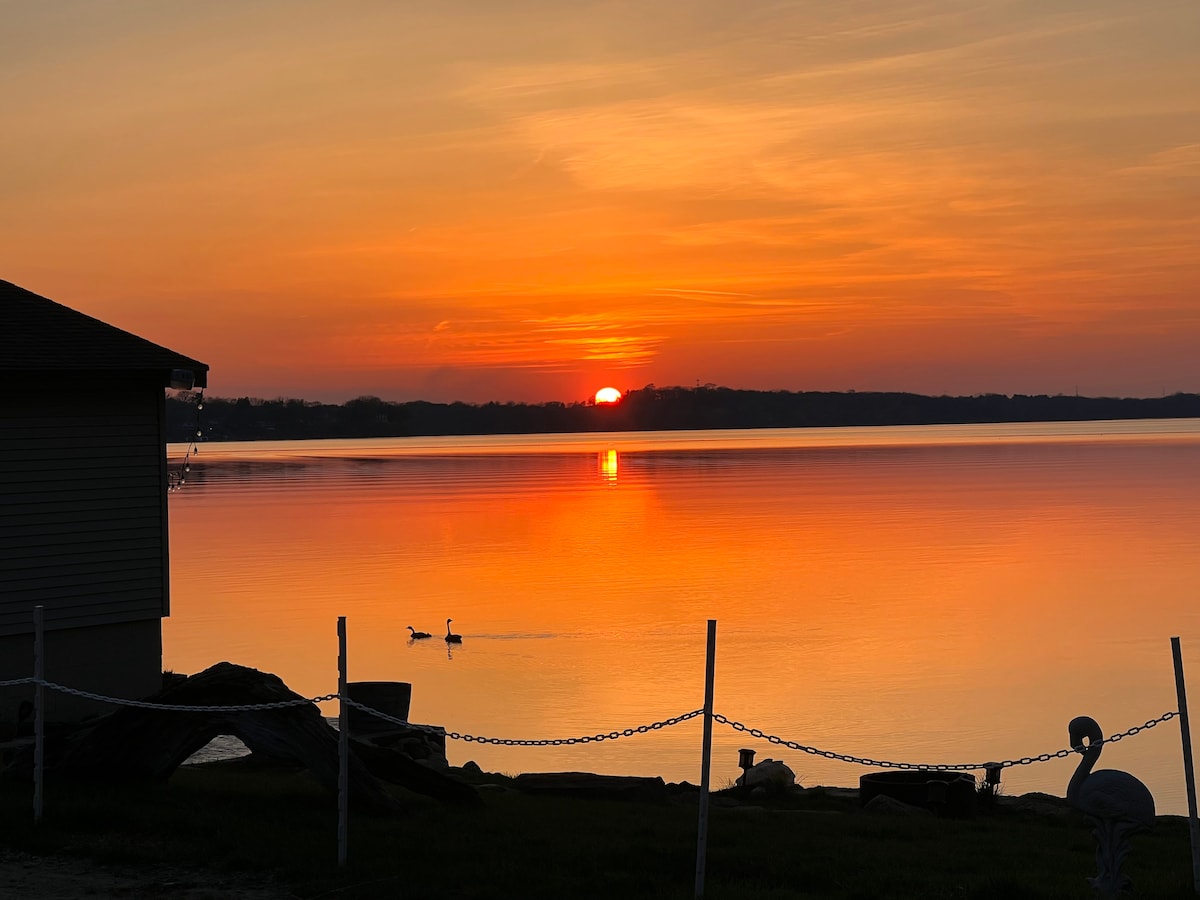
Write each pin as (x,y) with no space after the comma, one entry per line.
(645,409)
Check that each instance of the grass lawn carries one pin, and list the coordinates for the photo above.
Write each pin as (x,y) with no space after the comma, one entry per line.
(812,844)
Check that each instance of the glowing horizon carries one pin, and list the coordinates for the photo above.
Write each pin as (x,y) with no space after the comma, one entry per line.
(475,203)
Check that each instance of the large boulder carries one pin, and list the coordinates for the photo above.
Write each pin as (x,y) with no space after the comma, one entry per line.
(143,744)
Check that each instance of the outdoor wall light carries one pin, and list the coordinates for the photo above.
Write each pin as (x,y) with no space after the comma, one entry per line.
(182,379)
(745,761)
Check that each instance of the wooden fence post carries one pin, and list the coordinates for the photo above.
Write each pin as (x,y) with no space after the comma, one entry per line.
(1189,771)
(706,757)
(343,747)
(39,710)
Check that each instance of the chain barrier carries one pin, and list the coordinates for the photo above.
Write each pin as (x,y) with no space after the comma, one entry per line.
(937,767)
(596,738)
(145,704)
(518,742)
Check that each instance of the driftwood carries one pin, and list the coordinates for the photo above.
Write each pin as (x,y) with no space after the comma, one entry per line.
(138,744)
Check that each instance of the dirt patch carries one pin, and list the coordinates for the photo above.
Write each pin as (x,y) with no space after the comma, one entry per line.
(30,877)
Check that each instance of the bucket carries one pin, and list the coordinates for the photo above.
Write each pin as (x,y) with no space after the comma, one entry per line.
(390,697)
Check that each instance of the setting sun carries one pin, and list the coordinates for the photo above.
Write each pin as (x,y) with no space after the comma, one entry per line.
(608,395)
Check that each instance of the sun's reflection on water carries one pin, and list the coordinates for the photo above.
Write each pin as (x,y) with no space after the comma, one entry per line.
(609,463)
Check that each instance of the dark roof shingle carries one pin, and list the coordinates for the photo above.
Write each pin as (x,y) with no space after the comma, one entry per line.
(39,335)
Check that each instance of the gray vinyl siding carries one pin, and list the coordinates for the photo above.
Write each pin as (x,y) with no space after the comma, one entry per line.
(83,528)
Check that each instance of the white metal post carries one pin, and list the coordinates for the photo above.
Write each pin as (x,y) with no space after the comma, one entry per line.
(706,758)
(39,710)
(343,747)
(1189,772)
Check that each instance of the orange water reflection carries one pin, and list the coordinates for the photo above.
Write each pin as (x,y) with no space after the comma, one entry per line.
(917,601)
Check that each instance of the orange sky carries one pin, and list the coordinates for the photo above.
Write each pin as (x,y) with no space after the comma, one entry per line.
(475,200)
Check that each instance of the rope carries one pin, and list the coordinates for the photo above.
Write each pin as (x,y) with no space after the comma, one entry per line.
(145,704)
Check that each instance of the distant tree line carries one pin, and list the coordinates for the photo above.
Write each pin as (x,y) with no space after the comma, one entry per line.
(648,409)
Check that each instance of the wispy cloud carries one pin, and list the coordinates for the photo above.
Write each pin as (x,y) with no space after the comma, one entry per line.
(549,186)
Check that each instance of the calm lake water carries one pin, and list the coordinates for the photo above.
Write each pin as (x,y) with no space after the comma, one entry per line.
(937,594)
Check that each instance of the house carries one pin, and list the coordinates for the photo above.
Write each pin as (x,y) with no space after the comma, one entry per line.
(83,514)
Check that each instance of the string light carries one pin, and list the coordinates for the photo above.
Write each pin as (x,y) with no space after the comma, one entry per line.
(176,480)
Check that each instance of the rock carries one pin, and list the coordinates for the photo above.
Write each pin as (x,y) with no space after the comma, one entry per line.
(585,783)
(944,792)
(417,775)
(416,743)
(1036,803)
(890,806)
(770,774)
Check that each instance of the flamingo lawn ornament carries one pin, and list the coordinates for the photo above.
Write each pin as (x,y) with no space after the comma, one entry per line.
(1117,804)
(418,635)
(452,638)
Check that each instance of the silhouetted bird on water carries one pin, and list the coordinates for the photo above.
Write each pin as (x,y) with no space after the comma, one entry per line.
(418,635)
(452,638)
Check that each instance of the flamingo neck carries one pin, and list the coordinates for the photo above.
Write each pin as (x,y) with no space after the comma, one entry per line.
(1090,755)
